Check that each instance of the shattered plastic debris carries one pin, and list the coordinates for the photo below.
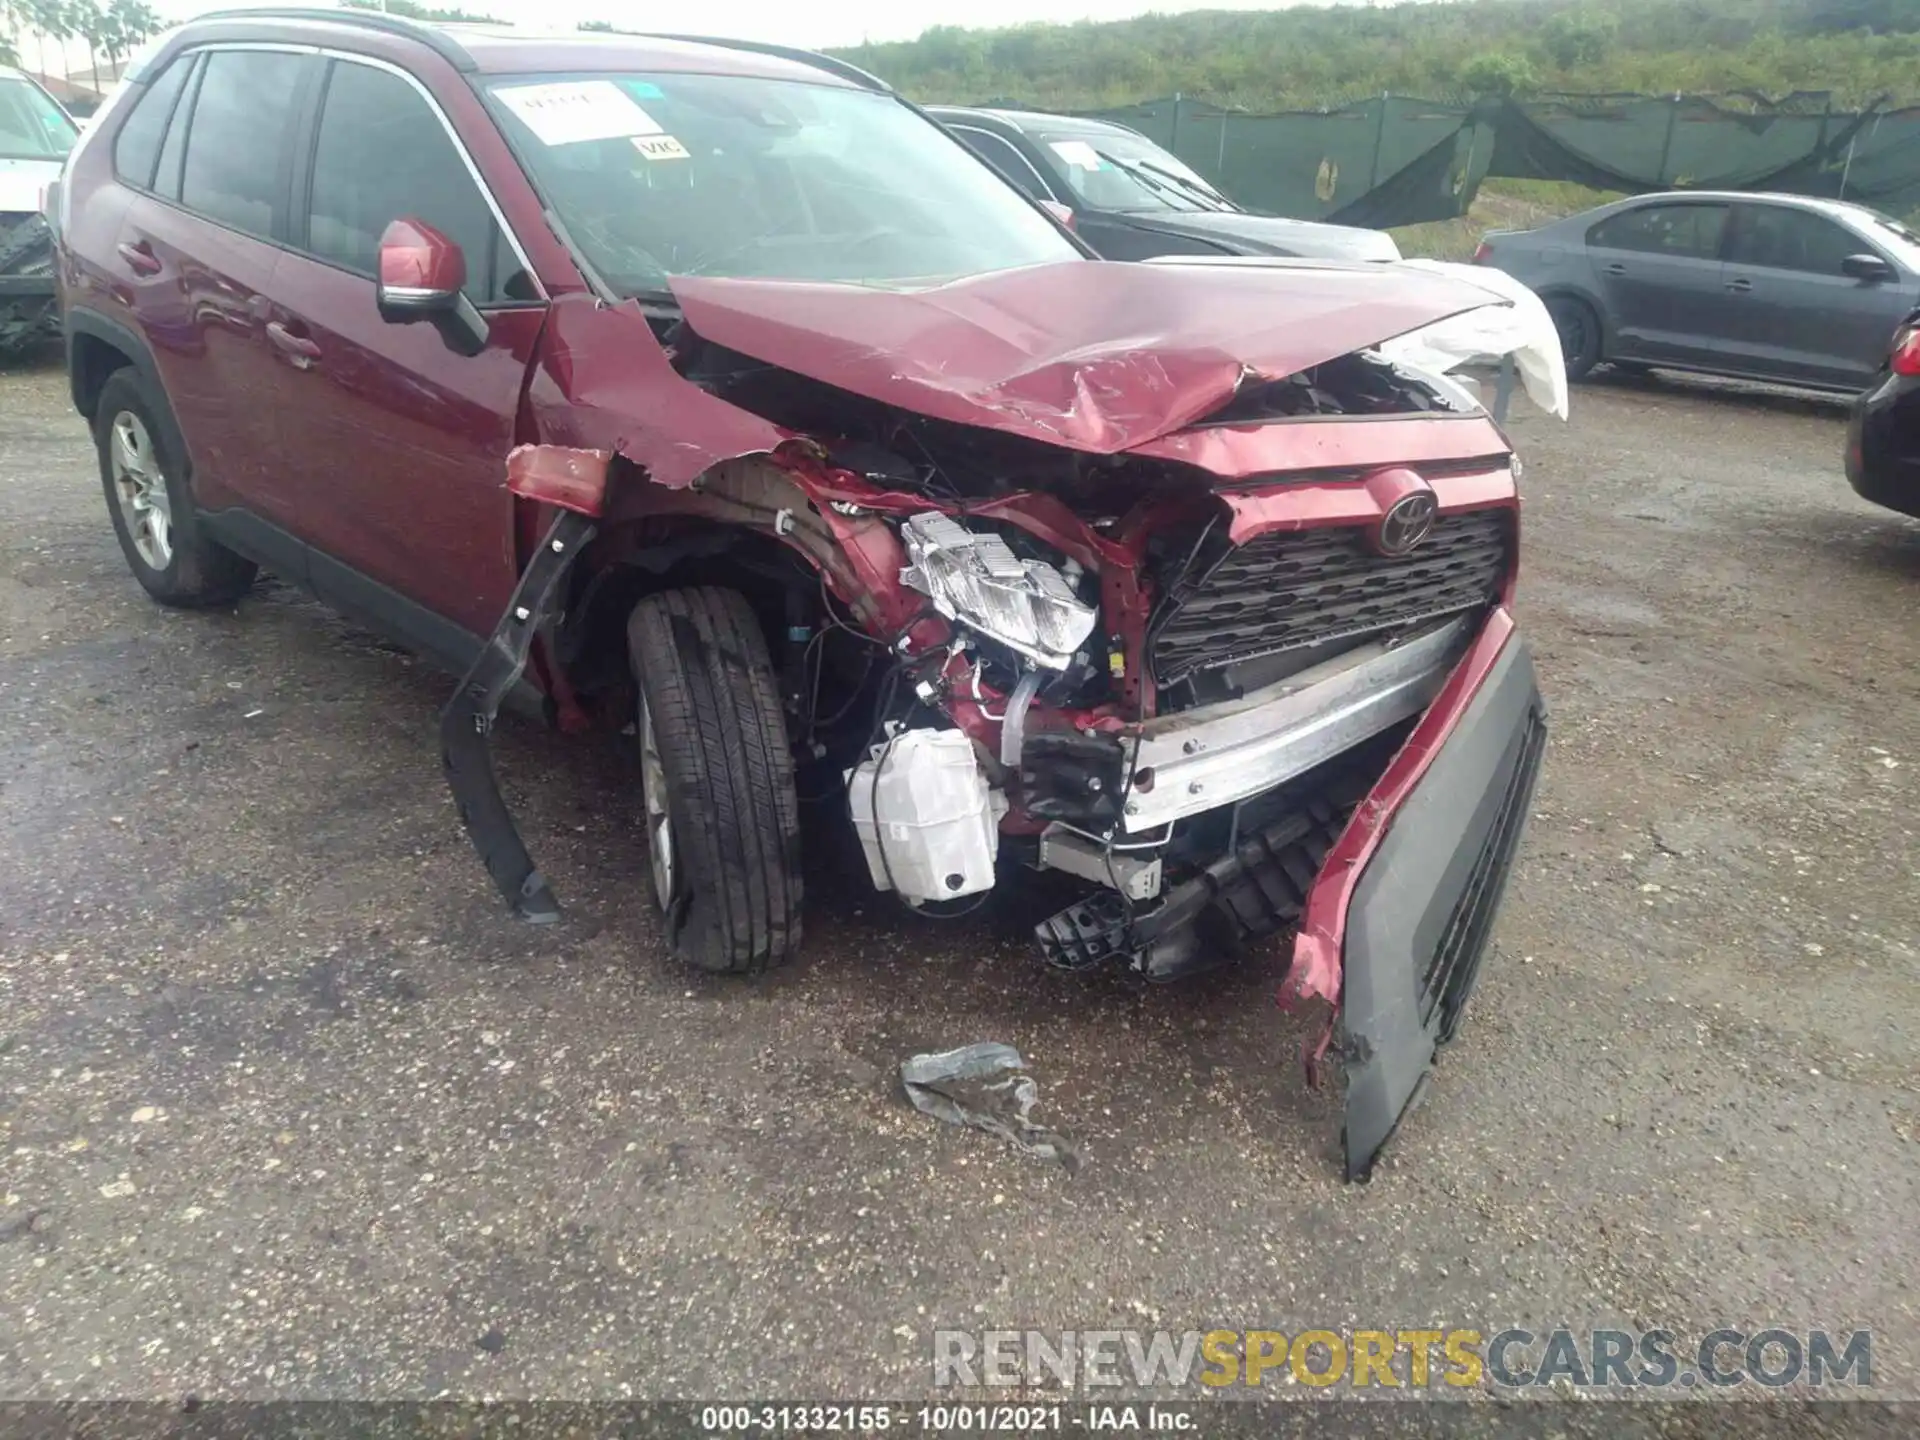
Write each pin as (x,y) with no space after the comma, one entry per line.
(1520,327)
(983,1085)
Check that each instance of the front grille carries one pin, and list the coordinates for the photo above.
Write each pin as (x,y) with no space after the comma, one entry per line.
(1289,590)
(1456,959)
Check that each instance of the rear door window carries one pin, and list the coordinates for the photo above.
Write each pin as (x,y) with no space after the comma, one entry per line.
(136,148)
(1690,232)
(1781,238)
(166,176)
(383,153)
(236,145)
(1003,157)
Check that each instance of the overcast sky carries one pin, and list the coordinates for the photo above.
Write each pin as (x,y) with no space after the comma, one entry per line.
(797,22)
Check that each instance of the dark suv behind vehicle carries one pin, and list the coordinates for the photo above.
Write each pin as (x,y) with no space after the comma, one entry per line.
(713,389)
(1132,200)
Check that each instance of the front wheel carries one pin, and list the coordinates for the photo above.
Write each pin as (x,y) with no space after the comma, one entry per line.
(716,781)
(1579,329)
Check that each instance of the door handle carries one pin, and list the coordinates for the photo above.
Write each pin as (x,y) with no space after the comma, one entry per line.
(139,257)
(297,348)
(1742,286)
(1616,268)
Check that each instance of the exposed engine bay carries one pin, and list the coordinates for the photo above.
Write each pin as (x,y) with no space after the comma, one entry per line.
(1043,731)
(1193,624)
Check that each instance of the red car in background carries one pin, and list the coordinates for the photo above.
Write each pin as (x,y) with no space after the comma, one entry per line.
(712,388)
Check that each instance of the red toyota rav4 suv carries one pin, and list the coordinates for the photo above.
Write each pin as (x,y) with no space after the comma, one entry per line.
(712,388)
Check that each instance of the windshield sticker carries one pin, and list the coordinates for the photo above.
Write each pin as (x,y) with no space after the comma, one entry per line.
(642,90)
(1078,153)
(575,111)
(660,147)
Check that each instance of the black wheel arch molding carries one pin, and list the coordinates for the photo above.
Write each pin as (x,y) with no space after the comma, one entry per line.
(85,329)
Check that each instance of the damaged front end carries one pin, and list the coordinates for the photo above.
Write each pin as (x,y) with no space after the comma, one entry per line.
(29,311)
(1167,582)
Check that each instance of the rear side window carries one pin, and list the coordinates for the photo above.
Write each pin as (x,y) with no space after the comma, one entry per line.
(137,147)
(1689,232)
(383,153)
(237,138)
(1003,157)
(166,179)
(1785,239)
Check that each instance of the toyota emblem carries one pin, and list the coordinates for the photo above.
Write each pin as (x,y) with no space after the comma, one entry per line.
(1408,521)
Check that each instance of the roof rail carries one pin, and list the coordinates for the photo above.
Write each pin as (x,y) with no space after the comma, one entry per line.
(439,41)
(451,50)
(814,58)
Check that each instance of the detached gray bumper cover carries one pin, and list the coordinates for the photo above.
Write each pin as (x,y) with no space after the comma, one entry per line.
(1424,907)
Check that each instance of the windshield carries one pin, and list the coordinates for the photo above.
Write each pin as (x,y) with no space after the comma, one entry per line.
(1111,170)
(1904,234)
(661,175)
(32,127)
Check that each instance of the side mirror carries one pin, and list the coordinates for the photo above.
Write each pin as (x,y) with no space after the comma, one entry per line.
(1062,213)
(1870,268)
(422,273)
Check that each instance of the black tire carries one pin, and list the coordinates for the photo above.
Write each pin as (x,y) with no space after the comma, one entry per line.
(1579,329)
(192,569)
(708,687)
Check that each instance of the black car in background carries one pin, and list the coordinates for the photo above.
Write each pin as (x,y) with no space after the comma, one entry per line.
(1883,440)
(1132,200)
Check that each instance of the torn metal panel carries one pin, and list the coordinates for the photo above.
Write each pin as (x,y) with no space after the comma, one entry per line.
(839,526)
(603,382)
(1099,358)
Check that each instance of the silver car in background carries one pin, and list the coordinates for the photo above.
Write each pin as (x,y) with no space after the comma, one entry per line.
(1770,287)
(35,136)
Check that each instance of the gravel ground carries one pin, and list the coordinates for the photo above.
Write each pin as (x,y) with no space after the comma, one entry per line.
(289,1107)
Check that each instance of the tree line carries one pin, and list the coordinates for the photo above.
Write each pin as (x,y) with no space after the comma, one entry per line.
(1299,58)
(1310,57)
(34,31)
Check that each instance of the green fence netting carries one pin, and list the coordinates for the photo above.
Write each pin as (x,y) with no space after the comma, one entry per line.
(1400,161)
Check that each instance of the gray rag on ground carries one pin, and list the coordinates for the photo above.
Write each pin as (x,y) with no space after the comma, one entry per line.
(984,1086)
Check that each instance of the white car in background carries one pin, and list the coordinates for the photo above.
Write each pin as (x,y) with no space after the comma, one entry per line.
(35,136)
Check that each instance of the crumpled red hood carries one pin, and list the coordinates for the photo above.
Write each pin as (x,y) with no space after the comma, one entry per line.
(1093,355)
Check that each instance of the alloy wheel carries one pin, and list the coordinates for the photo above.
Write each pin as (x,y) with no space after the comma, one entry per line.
(141,486)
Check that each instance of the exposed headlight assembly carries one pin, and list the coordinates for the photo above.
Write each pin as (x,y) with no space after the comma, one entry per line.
(976,579)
